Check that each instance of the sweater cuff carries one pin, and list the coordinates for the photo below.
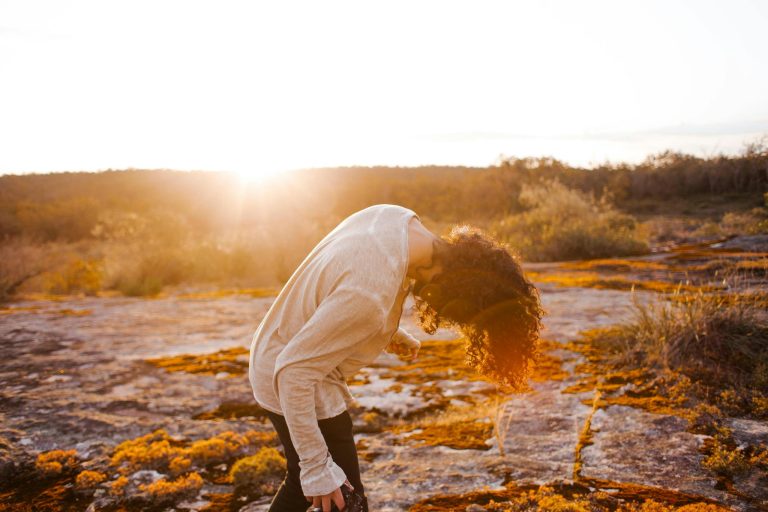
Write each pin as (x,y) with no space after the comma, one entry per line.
(405,338)
(322,479)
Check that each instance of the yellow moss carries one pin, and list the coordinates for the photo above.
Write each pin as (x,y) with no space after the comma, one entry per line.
(232,360)
(437,359)
(117,488)
(619,265)
(9,310)
(588,280)
(222,448)
(160,452)
(461,435)
(55,462)
(548,367)
(254,437)
(258,473)
(151,451)
(89,479)
(233,410)
(73,312)
(179,465)
(163,490)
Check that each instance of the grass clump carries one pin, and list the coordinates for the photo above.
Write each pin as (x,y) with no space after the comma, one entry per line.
(567,224)
(720,345)
(726,460)
(258,473)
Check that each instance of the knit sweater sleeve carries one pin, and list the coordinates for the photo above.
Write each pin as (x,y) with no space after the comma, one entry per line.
(343,319)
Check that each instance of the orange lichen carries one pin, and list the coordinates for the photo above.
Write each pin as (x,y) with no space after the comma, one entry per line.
(460,435)
(588,280)
(117,488)
(258,473)
(151,451)
(216,294)
(179,465)
(89,479)
(169,491)
(233,410)
(437,360)
(73,312)
(55,462)
(548,366)
(232,360)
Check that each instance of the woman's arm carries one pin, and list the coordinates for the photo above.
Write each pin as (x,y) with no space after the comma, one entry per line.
(404,345)
(345,318)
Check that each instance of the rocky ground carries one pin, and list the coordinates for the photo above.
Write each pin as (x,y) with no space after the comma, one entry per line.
(88,373)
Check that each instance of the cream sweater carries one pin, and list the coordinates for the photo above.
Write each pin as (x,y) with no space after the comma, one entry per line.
(337,312)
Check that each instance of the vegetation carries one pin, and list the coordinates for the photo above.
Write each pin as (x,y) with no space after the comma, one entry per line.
(89,479)
(710,338)
(166,492)
(258,473)
(562,497)
(56,462)
(562,223)
(137,232)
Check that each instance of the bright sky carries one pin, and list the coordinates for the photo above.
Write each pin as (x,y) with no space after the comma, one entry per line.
(257,86)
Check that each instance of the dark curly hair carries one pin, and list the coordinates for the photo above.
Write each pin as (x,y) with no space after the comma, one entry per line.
(481,290)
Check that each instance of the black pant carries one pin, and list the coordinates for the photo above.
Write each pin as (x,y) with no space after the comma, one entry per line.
(337,432)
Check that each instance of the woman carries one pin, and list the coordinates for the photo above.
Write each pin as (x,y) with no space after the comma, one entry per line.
(342,307)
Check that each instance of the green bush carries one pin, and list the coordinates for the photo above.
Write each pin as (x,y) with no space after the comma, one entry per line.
(565,224)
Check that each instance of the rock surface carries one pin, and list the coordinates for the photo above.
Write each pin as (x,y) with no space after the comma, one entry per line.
(75,375)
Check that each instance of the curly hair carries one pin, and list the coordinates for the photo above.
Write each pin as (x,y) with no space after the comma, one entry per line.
(481,290)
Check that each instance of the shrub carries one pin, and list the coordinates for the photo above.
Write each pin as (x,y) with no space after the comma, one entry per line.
(257,473)
(725,460)
(77,275)
(20,260)
(563,224)
(56,462)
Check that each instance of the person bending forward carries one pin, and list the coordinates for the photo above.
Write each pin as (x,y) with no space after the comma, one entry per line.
(341,308)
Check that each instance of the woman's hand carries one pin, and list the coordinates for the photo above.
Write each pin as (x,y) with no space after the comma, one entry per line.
(405,349)
(324,502)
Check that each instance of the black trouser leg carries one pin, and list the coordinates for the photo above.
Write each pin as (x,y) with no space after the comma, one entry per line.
(337,432)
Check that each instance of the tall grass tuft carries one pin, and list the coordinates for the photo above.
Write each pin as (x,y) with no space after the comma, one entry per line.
(712,338)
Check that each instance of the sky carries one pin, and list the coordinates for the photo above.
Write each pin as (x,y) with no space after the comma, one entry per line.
(257,87)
